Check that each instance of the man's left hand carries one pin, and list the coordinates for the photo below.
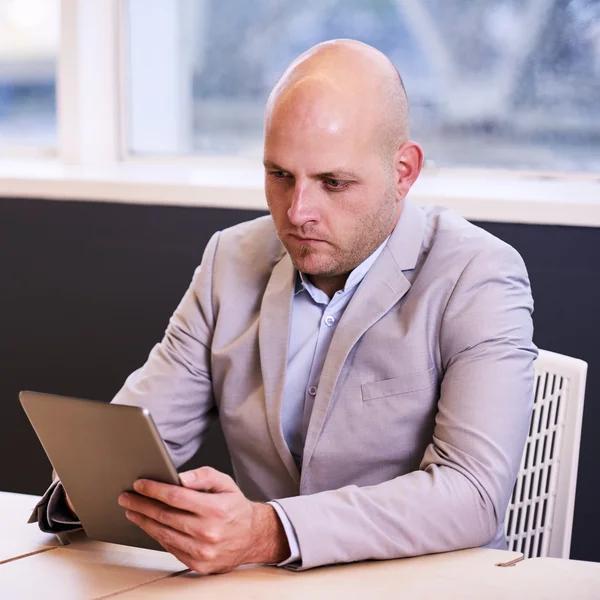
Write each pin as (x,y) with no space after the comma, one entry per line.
(207,523)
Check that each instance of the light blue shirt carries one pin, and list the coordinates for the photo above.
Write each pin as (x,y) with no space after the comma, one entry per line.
(314,319)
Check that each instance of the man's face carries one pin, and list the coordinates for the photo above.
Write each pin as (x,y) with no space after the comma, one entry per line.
(330,191)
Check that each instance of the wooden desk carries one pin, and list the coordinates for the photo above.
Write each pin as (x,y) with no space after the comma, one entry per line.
(39,568)
(16,537)
(441,576)
(71,573)
(89,569)
(465,575)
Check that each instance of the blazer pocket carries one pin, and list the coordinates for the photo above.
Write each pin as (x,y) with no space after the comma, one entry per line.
(409,382)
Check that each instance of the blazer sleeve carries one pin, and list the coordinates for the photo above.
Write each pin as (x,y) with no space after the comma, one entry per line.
(175,382)
(458,496)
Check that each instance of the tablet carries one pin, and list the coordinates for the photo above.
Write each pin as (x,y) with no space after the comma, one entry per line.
(98,450)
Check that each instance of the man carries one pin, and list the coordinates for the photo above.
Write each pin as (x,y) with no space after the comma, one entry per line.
(371,361)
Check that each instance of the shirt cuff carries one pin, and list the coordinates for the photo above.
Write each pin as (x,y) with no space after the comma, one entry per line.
(291,536)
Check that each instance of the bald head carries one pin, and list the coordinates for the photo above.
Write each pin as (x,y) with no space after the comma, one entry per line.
(343,84)
(338,162)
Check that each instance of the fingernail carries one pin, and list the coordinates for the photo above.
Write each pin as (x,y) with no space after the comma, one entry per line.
(123,499)
(187,477)
(137,485)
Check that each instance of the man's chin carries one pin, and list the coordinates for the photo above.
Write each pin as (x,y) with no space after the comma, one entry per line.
(309,266)
(311,263)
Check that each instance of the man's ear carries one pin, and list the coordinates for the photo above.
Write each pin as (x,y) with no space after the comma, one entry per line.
(408,162)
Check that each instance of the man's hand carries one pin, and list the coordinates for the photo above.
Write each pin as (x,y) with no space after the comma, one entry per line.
(208,524)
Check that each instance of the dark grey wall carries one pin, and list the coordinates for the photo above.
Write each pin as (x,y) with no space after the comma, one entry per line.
(87,288)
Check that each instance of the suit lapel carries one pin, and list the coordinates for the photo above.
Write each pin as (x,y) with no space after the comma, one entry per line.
(383,286)
(273,341)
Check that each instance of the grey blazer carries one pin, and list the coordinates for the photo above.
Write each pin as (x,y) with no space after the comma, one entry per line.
(422,408)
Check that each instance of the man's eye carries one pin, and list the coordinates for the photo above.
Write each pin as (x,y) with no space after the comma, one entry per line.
(335,184)
(279,174)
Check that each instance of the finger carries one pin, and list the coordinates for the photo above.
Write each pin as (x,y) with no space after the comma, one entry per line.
(161,513)
(164,535)
(203,568)
(209,480)
(199,558)
(177,496)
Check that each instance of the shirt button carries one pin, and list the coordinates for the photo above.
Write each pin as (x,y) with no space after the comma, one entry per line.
(329,321)
(312,390)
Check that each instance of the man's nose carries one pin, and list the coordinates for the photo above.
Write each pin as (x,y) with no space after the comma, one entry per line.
(304,208)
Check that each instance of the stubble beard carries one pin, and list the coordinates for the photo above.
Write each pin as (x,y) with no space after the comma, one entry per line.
(304,251)
(370,237)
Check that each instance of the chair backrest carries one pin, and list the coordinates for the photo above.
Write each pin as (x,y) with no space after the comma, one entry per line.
(539,518)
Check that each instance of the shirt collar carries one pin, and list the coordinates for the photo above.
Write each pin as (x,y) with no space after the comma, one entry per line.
(354,278)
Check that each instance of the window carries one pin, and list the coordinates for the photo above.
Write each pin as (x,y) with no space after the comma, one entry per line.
(28,52)
(501,83)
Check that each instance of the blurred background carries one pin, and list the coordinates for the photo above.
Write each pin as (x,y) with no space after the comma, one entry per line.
(29,33)
(498,83)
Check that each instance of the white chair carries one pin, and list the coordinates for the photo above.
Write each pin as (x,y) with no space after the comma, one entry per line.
(539,518)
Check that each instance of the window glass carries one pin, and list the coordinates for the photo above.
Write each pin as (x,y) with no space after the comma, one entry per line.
(500,83)
(29,31)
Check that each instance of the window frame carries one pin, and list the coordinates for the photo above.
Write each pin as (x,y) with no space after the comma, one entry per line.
(93,161)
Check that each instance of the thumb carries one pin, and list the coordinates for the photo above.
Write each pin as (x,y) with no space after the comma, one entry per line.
(207,479)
